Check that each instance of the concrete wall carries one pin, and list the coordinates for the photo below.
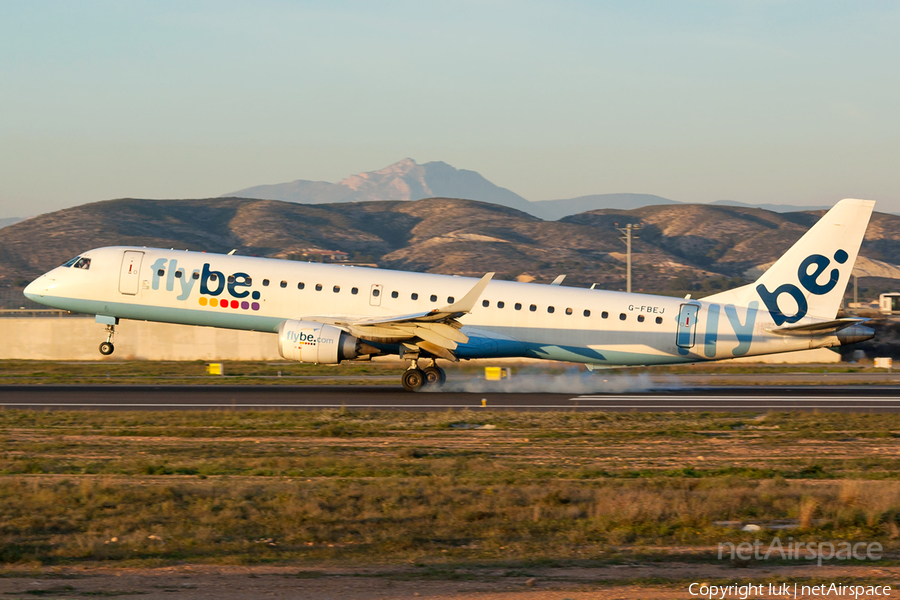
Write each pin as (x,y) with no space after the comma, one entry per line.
(77,338)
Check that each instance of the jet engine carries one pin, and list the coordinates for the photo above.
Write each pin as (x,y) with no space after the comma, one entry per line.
(311,342)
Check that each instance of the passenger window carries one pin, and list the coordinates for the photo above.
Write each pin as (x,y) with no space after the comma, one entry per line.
(265,281)
(230,278)
(485,303)
(500,304)
(83,263)
(284,284)
(196,275)
(658,320)
(318,287)
(354,291)
(336,289)
(376,292)
(640,318)
(604,314)
(162,273)
(433,298)
(568,311)
(622,317)
(533,307)
(414,296)
(587,313)
(550,309)
(450,299)
(395,294)
(518,306)
(178,274)
(301,285)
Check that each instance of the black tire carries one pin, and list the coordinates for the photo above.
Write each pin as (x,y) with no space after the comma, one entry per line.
(106,348)
(434,376)
(413,380)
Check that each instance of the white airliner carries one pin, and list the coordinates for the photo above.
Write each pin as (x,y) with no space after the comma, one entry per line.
(328,313)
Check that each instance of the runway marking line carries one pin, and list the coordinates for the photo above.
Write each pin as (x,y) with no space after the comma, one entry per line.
(412,406)
(743,398)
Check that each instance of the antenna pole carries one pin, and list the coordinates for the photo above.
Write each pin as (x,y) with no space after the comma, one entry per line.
(628,233)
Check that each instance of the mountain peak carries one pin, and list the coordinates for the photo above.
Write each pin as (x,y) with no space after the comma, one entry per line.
(403,180)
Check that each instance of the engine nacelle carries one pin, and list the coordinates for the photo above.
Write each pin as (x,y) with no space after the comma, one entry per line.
(311,342)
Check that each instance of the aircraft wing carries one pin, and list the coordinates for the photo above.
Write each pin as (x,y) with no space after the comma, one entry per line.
(436,331)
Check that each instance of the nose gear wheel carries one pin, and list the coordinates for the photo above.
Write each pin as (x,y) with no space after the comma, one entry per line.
(107,348)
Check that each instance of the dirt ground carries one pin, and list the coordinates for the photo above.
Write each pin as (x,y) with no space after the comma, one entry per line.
(389,583)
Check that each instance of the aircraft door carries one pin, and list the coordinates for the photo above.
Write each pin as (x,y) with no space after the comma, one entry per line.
(130,275)
(687,325)
(375,295)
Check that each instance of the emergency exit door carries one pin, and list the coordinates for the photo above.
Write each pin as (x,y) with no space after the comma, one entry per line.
(687,325)
(130,275)
(375,295)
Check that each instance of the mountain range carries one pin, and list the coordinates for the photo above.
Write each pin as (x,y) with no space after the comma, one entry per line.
(404,180)
(680,247)
(9,221)
(407,180)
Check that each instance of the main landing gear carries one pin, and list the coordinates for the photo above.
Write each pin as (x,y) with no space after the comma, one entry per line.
(415,378)
(106,348)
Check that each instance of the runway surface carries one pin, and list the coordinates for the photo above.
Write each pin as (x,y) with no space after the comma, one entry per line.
(362,397)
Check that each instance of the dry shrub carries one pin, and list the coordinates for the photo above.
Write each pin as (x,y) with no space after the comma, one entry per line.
(808,508)
(871,502)
(850,492)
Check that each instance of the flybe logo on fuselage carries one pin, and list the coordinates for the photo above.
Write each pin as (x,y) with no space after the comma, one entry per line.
(808,280)
(212,285)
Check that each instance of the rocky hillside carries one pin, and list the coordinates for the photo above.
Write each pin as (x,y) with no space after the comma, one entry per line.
(680,247)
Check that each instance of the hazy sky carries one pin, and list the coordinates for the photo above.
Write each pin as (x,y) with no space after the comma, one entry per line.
(788,102)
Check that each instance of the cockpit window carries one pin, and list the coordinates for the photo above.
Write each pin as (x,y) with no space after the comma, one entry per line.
(82,263)
(71,262)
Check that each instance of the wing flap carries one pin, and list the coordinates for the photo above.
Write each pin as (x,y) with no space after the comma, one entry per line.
(437,350)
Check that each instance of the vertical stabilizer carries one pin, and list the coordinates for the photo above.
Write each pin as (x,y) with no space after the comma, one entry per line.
(810,278)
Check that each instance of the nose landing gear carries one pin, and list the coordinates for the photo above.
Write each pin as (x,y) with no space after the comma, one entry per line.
(106,348)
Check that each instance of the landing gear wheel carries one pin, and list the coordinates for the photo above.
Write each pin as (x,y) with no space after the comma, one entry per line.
(413,380)
(434,376)
(106,348)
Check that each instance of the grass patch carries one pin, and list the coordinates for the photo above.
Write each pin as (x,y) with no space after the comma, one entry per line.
(346,487)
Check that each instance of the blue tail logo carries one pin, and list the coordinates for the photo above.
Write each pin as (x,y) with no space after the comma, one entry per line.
(810,281)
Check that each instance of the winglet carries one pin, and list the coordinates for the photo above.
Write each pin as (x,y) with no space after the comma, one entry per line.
(467,302)
(558,280)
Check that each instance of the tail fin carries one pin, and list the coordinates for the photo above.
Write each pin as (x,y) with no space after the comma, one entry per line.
(810,278)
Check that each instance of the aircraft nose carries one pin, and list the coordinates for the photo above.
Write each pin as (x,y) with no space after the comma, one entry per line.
(35,289)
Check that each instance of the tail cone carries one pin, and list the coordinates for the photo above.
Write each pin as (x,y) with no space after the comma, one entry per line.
(854,334)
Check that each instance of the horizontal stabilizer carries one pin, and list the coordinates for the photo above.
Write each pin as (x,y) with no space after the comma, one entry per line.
(820,328)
